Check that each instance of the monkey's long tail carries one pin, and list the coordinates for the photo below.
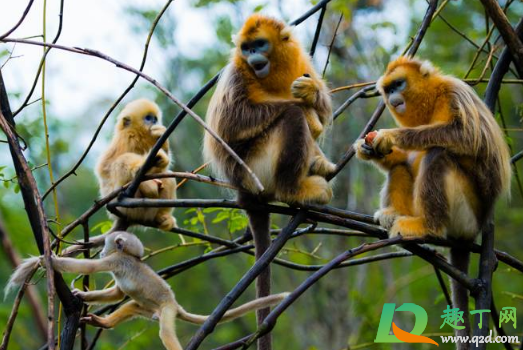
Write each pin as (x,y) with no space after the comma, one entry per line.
(236,312)
(22,272)
(460,295)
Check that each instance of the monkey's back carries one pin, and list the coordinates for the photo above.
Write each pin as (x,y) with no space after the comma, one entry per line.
(141,283)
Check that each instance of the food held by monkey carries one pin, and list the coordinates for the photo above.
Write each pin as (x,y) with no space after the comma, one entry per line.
(270,105)
(151,296)
(137,129)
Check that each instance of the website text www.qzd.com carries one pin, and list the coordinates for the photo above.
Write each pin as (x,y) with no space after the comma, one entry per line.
(452,317)
(489,339)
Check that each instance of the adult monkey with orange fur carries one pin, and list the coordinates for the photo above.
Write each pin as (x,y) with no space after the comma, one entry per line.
(270,105)
(446,165)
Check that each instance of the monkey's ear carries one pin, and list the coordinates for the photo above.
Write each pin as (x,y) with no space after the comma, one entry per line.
(120,242)
(427,68)
(286,33)
(126,121)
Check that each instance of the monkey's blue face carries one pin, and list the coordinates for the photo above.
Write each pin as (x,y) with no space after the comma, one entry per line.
(256,53)
(150,119)
(394,94)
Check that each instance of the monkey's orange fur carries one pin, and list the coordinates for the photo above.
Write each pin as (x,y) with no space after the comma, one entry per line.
(252,115)
(133,139)
(448,161)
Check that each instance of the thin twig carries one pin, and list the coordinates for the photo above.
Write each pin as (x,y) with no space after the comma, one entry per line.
(26,11)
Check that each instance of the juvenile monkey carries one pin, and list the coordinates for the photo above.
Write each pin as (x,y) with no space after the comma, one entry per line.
(151,296)
(446,164)
(137,129)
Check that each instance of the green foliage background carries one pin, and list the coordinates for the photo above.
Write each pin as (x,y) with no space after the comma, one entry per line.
(342,311)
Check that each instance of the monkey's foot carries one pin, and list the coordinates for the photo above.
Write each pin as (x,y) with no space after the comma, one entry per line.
(166,222)
(314,190)
(386,217)
(94,320)
(322,167)
(409,227)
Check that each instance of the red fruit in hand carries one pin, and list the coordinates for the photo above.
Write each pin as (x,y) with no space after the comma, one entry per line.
(369,138)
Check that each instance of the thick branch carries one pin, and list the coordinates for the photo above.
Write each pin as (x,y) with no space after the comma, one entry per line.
(510,37)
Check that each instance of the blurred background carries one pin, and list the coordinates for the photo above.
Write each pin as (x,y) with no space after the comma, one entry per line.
(190,45)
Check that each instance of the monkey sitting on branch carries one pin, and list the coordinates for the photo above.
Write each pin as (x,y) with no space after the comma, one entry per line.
(446,164)
(137,129)
(270,105)
(151,295)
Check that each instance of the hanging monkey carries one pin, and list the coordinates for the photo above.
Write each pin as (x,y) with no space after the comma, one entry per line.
(151,296)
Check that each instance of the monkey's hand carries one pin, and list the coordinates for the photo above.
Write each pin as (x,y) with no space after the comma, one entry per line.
(94,320)
(79,293)
(365,151)
(157,130)
(383,141)
(305,88)
(161,162)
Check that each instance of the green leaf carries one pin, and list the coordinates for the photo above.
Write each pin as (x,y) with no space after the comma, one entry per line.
(259,8)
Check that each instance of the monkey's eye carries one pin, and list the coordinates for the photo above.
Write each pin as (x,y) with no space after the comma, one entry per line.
(396,86)
(244,47)
(151,119)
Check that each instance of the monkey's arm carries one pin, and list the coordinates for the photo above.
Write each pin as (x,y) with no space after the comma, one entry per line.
(242,111)
(127,165)
(447,135)
(108,295)
(313,92)
(83,266)
(157,131)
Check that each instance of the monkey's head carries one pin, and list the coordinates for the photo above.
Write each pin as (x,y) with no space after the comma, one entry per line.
(408,84)
(124,242)
(265,46)
(139,116)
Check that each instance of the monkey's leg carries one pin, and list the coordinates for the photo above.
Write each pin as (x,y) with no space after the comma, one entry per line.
(108,295)
(396,196)
(125,167)
(297,147)
(314,123)
(164,218)
(431,206)
(320,164)
(124,313)
(167,328)
(150,188)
